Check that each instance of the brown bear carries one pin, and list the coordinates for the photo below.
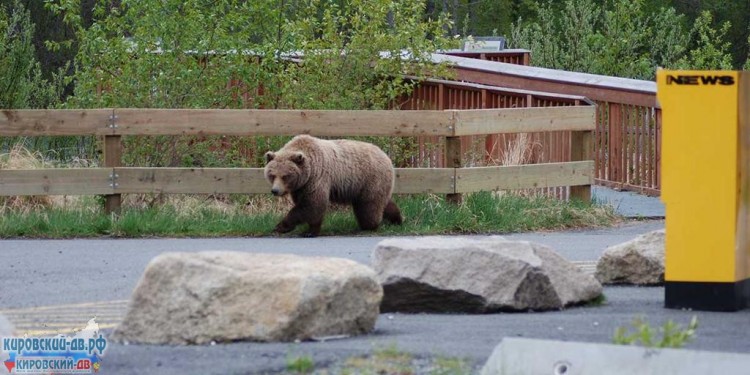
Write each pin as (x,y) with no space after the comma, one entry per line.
(317,172)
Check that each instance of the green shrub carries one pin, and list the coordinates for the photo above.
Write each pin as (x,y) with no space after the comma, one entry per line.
(241,54)
(672,334)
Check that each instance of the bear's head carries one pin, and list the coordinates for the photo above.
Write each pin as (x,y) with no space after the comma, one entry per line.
(286,171)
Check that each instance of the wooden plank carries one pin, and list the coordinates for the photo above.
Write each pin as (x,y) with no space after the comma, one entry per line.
(54,122)
(68,181)
(601,131)
(581,149)
(529,176)
(650,121)
(641,163)
(112,159)
(192,180)
(625,136)
(524,120)
(453,159)
(424,180)
(623,155)
(614,143)
(636,146)
(96,181)
(252,181)
(282,122)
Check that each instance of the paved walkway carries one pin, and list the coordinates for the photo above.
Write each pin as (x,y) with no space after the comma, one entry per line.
(629,204)
(99,275)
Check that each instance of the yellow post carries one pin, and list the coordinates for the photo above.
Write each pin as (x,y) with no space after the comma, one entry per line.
(705,189)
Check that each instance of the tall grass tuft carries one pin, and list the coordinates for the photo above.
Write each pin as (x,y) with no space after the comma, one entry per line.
(19,157)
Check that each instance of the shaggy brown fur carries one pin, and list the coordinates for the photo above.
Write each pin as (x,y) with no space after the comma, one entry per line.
(317,172)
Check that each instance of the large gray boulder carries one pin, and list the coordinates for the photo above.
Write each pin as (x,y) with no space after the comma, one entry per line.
(639,262)
(196,298)
(455,274)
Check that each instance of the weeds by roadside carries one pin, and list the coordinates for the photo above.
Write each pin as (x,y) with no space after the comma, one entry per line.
(386,360)
(672,334)
(300,364)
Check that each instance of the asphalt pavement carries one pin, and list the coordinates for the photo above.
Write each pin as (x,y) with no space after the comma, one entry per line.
(49,286)
(629,204)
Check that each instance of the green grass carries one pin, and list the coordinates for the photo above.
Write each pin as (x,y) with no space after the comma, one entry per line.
(672,334)
(600,300)
(300,365)
(384,360)
(424,214)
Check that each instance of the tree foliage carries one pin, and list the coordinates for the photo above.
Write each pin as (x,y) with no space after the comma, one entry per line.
(311,54)
(710,50)
(620,38)
(21,82)
(355,55)
(472,17)
(181,54)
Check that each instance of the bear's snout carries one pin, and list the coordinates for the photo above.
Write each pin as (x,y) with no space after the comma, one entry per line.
(275,191)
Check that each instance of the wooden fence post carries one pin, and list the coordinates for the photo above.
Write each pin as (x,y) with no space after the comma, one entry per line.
(581,149)
(453,160)
(112,159)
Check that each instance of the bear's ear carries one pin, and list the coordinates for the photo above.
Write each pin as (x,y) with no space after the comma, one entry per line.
(269,156)
(298,158)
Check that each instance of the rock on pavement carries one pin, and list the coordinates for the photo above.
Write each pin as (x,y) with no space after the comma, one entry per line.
(454,274)
(640,261)
(197,298)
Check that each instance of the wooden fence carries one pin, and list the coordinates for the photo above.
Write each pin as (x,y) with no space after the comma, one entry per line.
(453,179)
(627,146)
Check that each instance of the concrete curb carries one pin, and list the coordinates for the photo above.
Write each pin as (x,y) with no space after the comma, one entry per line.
(520,356)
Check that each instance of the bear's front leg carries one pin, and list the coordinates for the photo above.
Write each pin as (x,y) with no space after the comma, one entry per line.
(314,218)
(290,221)
(283,227)
(308,212)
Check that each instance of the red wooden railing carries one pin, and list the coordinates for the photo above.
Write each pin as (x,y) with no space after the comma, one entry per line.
(496,149)
(510,56)
(628,135)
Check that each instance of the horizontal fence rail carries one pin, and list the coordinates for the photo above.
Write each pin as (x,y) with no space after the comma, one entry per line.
(251,122)
(454,179)
(128,180)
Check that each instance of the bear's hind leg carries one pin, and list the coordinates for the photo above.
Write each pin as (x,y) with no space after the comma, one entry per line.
(392,213)
(368,214)
(313,228)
